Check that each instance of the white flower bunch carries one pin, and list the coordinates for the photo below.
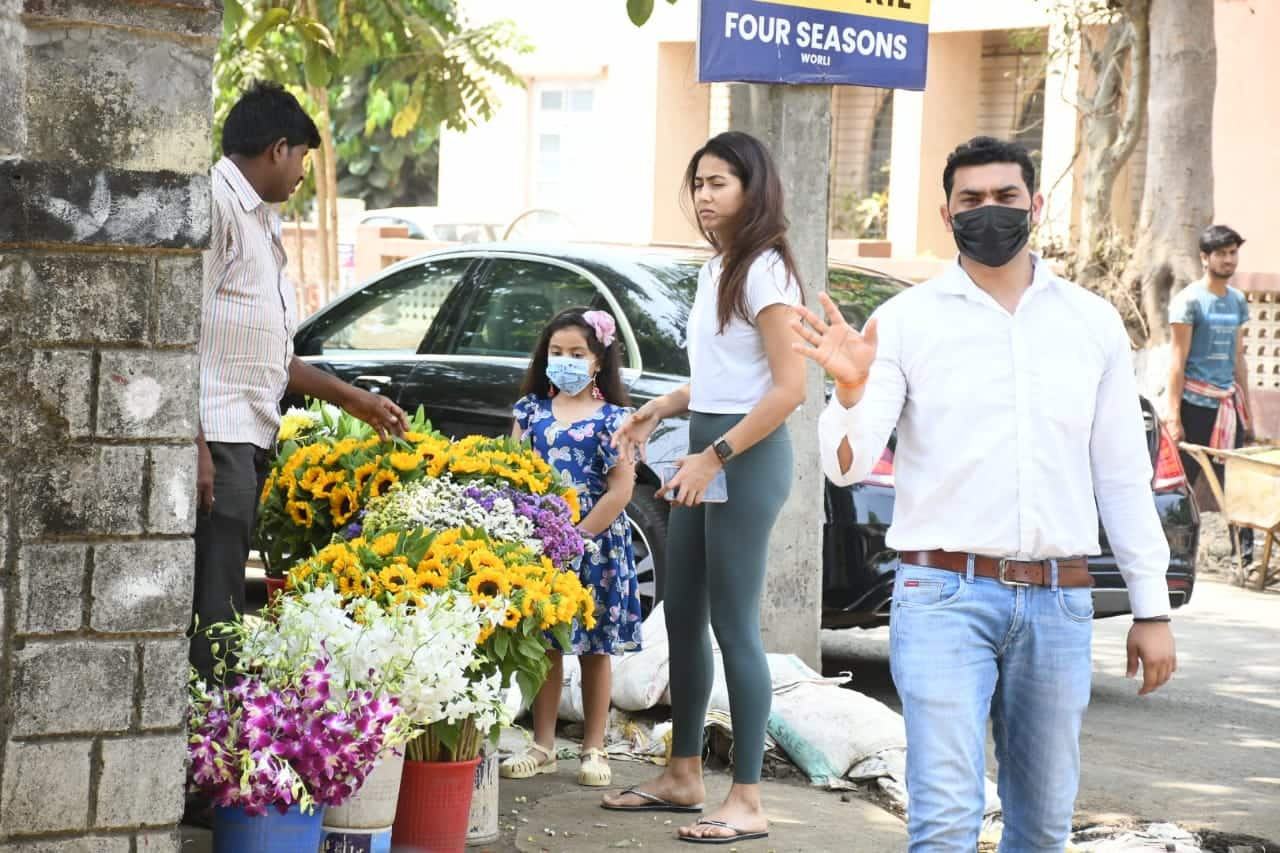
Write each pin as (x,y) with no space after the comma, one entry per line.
(423,656)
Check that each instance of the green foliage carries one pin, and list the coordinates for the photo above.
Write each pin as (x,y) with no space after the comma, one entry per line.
(394,71)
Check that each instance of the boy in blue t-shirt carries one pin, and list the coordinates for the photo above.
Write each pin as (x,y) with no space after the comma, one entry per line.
(1208,378)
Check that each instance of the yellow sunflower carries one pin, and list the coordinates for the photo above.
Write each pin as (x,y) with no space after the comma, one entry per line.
(363,473)
(397,577)
(313,479)
(575,508)
(382,480)
(267,488)
(488,583)
(403,461)
(343,503)
(385,544)
(431,580)
(482,559)
(446,538)
(301,513)
(511,619)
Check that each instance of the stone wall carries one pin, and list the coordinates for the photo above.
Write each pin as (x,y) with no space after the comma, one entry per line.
(104,121)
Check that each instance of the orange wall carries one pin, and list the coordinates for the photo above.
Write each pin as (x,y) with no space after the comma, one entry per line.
(684,109)
(950,117)
(1247,128)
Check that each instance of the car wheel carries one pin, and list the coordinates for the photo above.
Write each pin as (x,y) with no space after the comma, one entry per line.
(648,516)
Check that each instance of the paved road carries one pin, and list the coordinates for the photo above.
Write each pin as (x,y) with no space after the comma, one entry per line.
(1203,752)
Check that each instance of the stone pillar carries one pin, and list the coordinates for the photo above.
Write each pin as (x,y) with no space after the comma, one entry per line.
(104,206)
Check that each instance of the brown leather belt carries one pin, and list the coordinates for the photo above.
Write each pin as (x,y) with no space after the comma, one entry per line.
(1072,571)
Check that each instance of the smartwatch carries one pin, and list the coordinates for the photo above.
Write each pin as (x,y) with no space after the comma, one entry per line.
(723,450)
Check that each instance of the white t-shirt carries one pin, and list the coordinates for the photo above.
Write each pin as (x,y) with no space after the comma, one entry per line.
(730,371)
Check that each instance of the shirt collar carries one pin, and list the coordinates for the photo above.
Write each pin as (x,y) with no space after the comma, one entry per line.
(247,195)
(956,281)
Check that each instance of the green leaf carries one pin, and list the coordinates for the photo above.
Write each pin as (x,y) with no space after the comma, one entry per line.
(232,17)
(639,11)
(501,643)
(271,19)
(317,33)
(316,66)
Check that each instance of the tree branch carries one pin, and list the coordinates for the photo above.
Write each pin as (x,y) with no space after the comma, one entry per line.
(1139,79)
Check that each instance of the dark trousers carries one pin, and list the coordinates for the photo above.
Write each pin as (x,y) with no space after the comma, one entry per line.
(222,543)
(1197,427)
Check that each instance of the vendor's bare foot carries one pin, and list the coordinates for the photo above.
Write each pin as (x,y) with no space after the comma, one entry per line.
(678,789)
(741,814)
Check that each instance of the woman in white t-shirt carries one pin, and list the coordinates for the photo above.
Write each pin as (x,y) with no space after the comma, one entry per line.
(745,380)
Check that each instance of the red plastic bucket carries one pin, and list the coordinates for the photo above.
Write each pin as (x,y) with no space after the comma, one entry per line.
(434,806)
(275,586)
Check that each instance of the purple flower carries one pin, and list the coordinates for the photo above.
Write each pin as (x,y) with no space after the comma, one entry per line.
(551,517)
(250,742)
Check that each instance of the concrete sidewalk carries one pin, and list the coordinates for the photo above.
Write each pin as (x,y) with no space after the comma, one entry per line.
(803,819)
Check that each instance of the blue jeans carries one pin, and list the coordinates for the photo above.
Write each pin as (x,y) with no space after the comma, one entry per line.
(965,648)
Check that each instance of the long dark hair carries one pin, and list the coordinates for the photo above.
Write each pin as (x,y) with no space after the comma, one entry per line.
(761,225)
(608,359)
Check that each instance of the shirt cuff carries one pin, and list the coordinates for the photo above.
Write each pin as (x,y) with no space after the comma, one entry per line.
(835,424)
(1148,596)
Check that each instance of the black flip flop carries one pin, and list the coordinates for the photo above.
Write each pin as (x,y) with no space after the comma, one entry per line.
(738,834)
(653,803)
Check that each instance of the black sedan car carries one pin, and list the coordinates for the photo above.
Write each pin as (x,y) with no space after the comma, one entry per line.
(452,331)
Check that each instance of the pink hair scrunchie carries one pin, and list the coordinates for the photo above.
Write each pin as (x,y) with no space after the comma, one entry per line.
(606,329)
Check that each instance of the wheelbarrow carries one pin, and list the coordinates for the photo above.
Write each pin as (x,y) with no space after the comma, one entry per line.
(1249,497)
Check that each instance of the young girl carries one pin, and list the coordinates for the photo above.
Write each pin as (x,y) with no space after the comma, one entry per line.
(745,379)
(573,403)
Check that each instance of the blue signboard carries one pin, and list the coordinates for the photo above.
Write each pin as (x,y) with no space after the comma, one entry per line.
(882,43)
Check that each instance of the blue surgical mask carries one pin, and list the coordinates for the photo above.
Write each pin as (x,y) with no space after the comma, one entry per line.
(570,375)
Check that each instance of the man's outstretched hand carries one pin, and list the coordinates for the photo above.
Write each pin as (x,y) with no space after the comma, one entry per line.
(377,411)
(834,345)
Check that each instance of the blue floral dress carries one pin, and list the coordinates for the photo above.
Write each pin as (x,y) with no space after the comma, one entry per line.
(581,454)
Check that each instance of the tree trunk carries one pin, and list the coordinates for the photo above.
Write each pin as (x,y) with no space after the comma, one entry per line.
(1177,200)
(320,171)
(331,178)
(1111,135)
(326,174)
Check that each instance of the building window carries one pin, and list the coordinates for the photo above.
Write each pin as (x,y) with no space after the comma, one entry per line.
(1011,98)
(566,146)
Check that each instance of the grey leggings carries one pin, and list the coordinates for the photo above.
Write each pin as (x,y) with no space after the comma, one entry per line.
(716,561)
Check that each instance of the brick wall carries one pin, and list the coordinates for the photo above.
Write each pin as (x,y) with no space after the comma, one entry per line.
(104,206)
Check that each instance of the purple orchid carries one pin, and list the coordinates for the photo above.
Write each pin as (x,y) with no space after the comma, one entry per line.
(255,745)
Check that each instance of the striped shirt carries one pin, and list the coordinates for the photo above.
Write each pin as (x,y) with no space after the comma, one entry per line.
(248,318)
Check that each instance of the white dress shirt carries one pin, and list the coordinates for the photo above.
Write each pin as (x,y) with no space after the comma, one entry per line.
(1010,427)
(249,316)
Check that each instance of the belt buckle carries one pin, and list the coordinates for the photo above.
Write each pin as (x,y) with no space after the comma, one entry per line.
(1000,576)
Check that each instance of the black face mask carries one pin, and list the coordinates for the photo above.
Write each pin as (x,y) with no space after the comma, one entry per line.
(991,234)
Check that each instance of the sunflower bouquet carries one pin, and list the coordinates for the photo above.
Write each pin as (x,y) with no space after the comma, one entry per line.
(527,596)
(330,466)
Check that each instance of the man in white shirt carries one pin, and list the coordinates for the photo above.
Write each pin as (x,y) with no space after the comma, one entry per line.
(1018,423)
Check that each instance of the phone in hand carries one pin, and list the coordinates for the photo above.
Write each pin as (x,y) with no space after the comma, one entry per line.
(717,491)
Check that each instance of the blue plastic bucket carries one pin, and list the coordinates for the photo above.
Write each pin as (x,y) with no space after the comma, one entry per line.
(344,840)
(292,832)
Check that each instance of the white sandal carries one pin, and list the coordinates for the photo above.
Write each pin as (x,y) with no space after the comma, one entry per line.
(595,772)
(534,761)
